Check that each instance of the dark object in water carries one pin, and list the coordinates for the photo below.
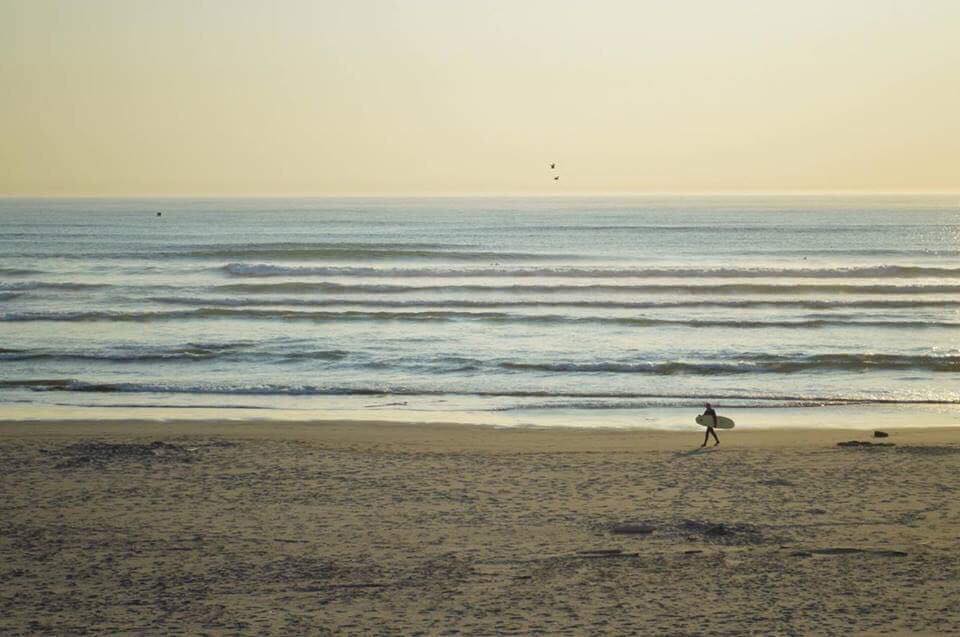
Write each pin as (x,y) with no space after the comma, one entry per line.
(863,443)
(159,214)
(880,434)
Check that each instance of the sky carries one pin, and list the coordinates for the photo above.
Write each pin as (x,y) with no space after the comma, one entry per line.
(425,97)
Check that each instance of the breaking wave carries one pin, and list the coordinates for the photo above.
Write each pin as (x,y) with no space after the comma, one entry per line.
(181,353)
(74,385)
(813,304)
(361,252)
(719,289)
(753,364)
(867,272)
(448,315)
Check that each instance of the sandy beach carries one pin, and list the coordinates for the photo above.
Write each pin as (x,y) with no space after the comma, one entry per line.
(375,528)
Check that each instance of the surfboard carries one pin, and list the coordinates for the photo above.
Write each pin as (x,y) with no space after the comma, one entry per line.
(722,422)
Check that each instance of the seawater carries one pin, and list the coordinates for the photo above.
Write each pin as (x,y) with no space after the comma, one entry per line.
(579,311)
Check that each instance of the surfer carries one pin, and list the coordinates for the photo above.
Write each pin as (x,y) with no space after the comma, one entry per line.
(710,412)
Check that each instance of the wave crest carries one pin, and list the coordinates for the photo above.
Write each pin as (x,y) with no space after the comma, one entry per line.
(253,270)
(449,315)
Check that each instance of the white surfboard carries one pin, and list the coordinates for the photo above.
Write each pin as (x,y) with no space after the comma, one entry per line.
(722,422)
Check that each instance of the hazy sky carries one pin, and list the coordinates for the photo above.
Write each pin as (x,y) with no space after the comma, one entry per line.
(297,97)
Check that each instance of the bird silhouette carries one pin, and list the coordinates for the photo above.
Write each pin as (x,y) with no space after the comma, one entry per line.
(557,178)
(552,166)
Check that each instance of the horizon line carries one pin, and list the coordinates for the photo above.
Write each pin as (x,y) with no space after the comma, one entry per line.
(479,195)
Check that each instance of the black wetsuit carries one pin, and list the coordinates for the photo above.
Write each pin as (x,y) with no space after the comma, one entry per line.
(710,412)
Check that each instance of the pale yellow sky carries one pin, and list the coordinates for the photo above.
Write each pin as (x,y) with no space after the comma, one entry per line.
(297,97)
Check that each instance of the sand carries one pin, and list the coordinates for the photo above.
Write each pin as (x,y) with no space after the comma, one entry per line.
(375,528)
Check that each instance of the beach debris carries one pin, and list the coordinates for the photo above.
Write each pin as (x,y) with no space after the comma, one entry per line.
(326,587)
(101,453)
(777,482)
(604,553)
(849,551)
(727,533)
(930,450)
(880,434)
(861,444)
(720,532)
(628,528)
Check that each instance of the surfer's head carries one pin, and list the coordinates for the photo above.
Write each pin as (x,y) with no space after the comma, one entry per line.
(707,405)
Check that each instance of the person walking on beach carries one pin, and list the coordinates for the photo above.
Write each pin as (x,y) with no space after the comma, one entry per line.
(710,412)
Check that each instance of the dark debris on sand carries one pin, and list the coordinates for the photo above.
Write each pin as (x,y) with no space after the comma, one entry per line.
(99,454)
(930,450)
(721,533)
(919,450)
(864,444)
(726,533)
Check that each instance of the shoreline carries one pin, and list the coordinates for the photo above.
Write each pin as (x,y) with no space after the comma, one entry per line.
(454,437)
(677,419)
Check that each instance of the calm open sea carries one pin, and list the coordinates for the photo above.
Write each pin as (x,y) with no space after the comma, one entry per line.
(586,311)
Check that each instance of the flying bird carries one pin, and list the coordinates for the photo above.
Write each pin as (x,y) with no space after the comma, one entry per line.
(552,166)
(557,178)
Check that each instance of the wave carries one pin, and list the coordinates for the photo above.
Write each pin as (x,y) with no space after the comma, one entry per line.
(252,270)
(752,364)
(74,385)
(812,304)
(320,252)
(38,383)
(190,351)
(735,229)
(445,316)
(854,252)
(50,285)
(18,272)
(706,289)
(360,252)
(183,353)
(730,364)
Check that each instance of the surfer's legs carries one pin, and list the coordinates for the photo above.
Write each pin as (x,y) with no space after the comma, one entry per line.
(707,435)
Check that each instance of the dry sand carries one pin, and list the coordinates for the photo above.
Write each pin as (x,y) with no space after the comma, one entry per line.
(367,528)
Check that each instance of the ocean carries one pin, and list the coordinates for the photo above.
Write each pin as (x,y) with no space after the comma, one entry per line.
(603,311)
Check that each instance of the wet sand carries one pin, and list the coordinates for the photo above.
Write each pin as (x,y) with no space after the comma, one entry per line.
(375,528)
